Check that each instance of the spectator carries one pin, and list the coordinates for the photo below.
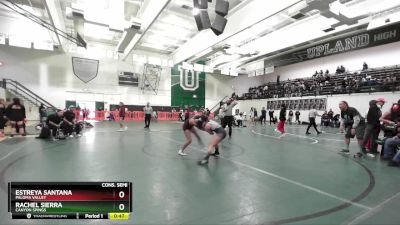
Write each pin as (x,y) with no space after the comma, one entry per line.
(290,117)
(297,114)
(69,125)
(330,115)
(3,118)
(239,119)
(365,66)
(315,74)
(42,113)
(282,119)
(390,120)
(263,117)
(121,111)
(338,71)
(255,115)
(15,112)
(390,147)
(342,69)
(252,114)
(54,122)
(325,119)
(372,128)
(271,116)
(327,77)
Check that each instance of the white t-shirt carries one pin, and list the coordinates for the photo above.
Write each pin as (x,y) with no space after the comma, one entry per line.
(228,108)
(148,110)
(238,117)
(214,125)
(313,113)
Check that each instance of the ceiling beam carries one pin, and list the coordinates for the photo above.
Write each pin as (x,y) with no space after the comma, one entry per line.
(53,9)
(148,16)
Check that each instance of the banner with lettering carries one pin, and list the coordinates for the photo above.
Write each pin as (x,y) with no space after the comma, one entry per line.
(366,39)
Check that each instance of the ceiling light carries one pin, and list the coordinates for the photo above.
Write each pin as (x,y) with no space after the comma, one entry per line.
(195,11)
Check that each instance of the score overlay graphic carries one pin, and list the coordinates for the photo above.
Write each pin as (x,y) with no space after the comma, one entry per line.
(70,200)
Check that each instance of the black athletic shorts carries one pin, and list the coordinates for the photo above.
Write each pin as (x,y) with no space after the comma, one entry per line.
(122,117)
(2,122)
(220,132)
(228,120)
(359,132)
(186,125)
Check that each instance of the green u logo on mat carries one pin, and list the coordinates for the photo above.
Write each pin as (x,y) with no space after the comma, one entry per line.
(189,79)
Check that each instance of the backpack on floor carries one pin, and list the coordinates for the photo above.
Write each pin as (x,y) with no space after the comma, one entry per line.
(60,135)
(45,133)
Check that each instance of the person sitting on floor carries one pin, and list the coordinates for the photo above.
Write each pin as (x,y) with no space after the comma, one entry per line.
(69,124)
(54,122)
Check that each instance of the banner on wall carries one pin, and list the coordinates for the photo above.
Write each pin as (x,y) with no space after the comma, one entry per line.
(187,86)
(367,39)
(85,69)
(128,79)
(298,104)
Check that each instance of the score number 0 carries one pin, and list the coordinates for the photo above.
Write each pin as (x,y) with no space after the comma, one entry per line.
(121,194)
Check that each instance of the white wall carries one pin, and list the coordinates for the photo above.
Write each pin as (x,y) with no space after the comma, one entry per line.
(50,75)
(385,55)
(359,101)
(218,86)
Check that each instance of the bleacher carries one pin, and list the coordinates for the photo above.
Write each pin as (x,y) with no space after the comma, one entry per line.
(383,79)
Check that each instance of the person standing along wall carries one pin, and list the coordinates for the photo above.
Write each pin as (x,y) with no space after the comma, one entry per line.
(290,118)
(372,126)
(15,112)
(312,115)
(282,119)
(3,117)
(42,113)
(148,111)
(263,118)
(271,117)
(122,112)
(353,125)
(297,114)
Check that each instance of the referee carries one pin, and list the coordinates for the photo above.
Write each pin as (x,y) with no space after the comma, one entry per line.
(311,116)
(228,117)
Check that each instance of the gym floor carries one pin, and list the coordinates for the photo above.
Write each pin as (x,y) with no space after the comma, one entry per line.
(258,179)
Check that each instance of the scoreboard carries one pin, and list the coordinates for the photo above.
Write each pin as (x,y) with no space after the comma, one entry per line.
(70,200)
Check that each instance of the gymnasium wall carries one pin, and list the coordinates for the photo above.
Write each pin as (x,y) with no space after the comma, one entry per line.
(187,87)
(359,101)
(219,86)
(50,75)
(385,55)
